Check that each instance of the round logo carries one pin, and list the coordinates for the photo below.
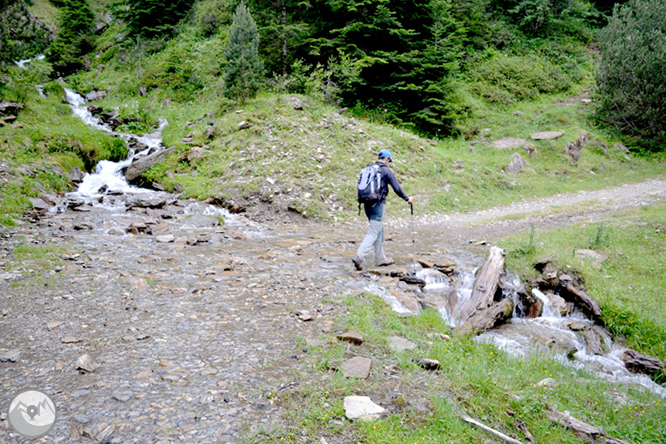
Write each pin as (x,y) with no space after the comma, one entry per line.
(32,413)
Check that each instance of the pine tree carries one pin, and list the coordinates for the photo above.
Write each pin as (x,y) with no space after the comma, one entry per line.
(244,68)
(154,18)
(75,37)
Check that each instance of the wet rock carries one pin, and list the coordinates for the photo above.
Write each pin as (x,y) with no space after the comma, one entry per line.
(76,175)
(362,407)
(411,279)
(428,364)
(407,300)
(201,221)
(508,143)
(165,238)
(516,165)
(593,341)
(136,168)
(356,367)
(640,363)
(351,336)
(83,226)
(86,364)
(398,344)
(392,270)
(547,135)
(147,201)
(71,340)
(9,355)
(577,326)
(446,266)
(95,110)
(582,300)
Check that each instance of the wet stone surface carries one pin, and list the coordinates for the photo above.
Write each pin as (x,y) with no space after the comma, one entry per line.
(186,336)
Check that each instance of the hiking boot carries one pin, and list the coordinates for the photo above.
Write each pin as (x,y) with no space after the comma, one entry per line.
(357,263)
(387,262)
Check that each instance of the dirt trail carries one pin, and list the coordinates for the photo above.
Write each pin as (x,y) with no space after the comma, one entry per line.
(193,328)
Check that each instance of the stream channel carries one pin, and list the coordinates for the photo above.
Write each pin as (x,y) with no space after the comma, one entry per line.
(190,322)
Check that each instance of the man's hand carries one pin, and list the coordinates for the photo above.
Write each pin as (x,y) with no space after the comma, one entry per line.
(410,200)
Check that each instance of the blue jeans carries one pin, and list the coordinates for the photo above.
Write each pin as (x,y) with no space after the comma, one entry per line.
(375,236)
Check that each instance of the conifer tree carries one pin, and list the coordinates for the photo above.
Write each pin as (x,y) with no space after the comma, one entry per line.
(244,68)
(154,18)
(75,37)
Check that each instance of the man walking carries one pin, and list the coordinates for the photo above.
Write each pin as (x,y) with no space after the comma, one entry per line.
(375,212)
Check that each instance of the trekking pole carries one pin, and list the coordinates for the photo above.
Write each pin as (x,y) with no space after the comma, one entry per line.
(411,209)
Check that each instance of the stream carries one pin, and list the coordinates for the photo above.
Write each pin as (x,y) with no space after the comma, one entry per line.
(190,320)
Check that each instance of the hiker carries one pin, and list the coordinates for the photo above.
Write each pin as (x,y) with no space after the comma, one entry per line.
(374,210)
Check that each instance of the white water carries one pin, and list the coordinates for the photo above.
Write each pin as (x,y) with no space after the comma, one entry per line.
(21,63)
(106,172)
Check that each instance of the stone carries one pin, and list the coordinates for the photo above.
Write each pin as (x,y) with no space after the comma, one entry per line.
(356,367)
(146,201)
(9,355)
(95,95)
(590,255)
(304,315)
(123,396)
(86,364)
(573,148)
(516,164)
(391,270)
(196,152)
(115,232)
(10,108)
(70,340)
(530,149)
(52,325)
(406,299)
(165,238)
(548,382)
(508,143)
(76,175)
(201,221)
(351,336)
(362,407)
(138,166)
(243,125)
(39,204)
(640,363)
(428,364)
(547,135)
(593,341)
(398,344)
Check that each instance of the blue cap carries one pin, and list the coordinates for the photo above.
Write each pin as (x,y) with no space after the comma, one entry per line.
(385,153)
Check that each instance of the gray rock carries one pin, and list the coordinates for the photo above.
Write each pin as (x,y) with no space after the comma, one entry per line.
(590,255)
(95,95)
(362,407)
(137,167)
(428,364)
(70,340)
(10,355)
(196,152)
(243,125)
(640,363)
(516,165)
(86,364)
(201,221)
(356,367)
(530,149)
(76,175)
(10,108)
(398,344)
(39,204)
(165,238)
(123,396)
(507,143)
(146,201)
(547,135)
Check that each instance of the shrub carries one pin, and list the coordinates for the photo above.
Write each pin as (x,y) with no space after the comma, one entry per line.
(505,79)
(631,80)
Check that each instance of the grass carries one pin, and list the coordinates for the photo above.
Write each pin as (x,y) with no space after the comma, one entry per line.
(630,285)
(500,390)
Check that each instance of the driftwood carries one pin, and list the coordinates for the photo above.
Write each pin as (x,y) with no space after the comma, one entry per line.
(582,300)
(493,432)
(583,430)
(640,363)
(485,285)
(491,317)
(136,168)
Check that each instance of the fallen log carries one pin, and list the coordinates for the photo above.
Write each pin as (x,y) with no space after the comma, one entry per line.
(492,431)
(640,363)
(583,430)
(485,285)
(491,317)
(584,301)
(137,167)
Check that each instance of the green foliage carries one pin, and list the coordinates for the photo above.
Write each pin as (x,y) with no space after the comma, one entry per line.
(19,83)
(506,79)
(631,79)
(243,72)
(75,37)
(21,35)
(553,17)
(153,18)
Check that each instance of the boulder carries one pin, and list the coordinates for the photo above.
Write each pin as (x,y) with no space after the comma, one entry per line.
(86,364)
(76,175)
(516,165)
(640,363)
(146,201)
(508,143)
(196,152)
(547,135)
(39,204)
(201,221)
(362,407)
(95,95)
(137,167)
(10,108)
(398,344)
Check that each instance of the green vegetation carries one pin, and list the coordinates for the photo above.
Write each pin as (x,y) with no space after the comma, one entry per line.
(243,71)
(629,285)
(631,76)
(21,34)
(502,391)
(75,37)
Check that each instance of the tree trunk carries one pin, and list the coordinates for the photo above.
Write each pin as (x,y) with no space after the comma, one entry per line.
(584,431)
(485,286)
